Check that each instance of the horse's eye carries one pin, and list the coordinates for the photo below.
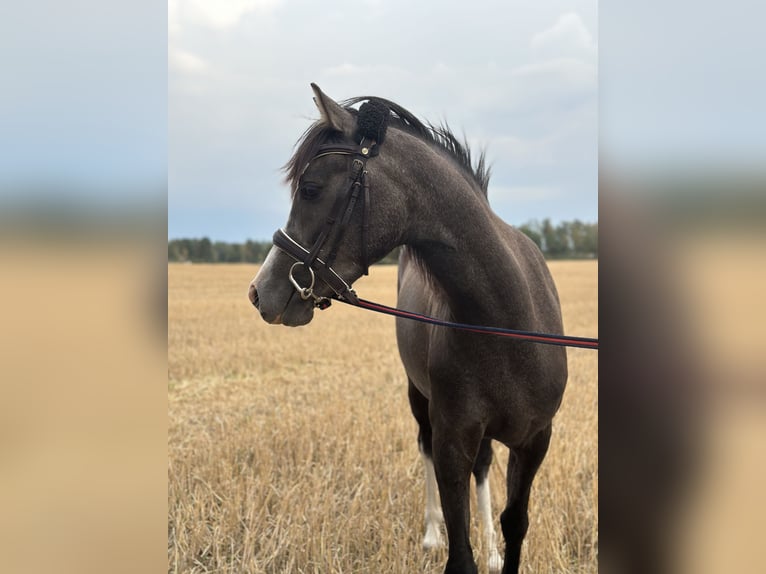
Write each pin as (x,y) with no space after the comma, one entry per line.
(310,191)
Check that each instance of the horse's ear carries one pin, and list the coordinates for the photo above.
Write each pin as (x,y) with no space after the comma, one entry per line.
(333,114)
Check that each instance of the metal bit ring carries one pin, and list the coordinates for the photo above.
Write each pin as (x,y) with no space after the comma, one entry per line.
(304,292)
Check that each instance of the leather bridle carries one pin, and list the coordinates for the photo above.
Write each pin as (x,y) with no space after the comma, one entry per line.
(335,226)
(338,220)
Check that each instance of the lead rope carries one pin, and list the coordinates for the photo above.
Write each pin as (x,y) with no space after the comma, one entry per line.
(543,338)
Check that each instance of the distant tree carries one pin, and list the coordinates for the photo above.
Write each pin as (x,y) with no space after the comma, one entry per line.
(173,254)
(584,238)
(555,243)
(563,233)
(203,251)
(250,252)
(261,251)
(188,249)
(577,231)
(178,250)
(227,252)
(532,230)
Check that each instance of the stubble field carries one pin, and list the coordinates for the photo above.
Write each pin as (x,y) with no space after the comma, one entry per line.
(294,450)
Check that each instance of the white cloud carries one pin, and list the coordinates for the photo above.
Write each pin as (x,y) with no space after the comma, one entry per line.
(571,73)
(217,14)
(567,37)
(222,13)
(561,72)
(184,61)
(174,21)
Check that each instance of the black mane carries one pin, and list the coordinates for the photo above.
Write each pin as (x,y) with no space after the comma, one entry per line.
(440,137)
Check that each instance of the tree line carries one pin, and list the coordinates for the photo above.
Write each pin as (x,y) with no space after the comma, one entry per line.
(565,240)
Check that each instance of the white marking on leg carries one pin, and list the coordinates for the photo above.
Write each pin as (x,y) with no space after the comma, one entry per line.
(434,515)
(484,502)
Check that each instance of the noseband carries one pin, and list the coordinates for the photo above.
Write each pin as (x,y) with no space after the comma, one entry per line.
(339,218)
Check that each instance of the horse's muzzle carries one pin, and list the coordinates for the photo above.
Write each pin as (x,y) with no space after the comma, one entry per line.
(252,294)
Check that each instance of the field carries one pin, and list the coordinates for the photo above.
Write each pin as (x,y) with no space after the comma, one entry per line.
(293,450)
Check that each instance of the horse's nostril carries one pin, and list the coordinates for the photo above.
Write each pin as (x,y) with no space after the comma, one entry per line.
(252,294)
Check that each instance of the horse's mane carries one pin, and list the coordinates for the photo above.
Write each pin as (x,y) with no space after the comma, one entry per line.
(440,137)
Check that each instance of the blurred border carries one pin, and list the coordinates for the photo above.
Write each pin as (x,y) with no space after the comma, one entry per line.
(83,185)
(682,212)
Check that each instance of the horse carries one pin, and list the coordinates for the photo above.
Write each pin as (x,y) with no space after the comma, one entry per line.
(366,181)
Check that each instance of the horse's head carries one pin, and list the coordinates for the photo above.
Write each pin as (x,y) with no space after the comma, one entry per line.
(338,224)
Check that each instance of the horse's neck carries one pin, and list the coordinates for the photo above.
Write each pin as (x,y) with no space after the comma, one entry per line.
(461,243)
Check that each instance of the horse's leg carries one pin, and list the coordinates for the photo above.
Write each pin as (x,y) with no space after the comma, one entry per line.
(433,515)
(523,463)
(484,503)
(455,445)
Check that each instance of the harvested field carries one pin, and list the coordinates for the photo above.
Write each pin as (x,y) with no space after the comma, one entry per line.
(294,450)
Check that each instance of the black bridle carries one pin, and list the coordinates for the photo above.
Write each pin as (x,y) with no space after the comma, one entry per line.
(335,226)
(338,220)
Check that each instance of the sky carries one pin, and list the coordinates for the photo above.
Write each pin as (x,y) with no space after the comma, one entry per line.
(519,79)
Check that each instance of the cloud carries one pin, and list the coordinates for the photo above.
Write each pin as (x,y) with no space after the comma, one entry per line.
(558,81)
(221,14)
(568,37)
(556,73)
(184,61)
(174,19)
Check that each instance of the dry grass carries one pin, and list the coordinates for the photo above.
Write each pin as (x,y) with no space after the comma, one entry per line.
(293,450)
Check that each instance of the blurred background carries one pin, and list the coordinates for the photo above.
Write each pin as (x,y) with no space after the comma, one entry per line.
(681,283)
(83,186)
(83,223)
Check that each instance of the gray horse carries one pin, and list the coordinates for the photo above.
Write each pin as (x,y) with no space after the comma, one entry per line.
(365,183)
